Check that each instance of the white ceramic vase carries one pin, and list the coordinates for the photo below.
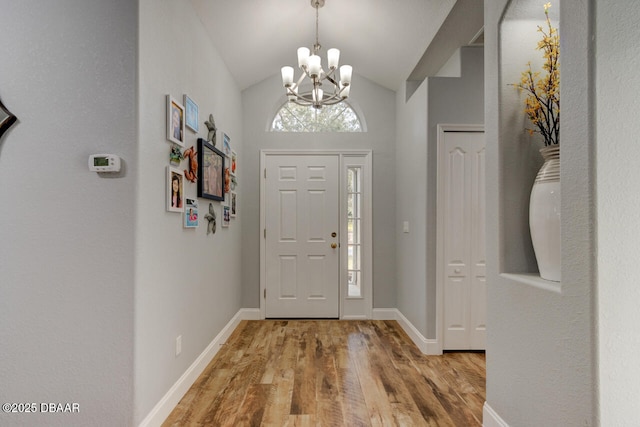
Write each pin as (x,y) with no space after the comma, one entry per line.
(544,215)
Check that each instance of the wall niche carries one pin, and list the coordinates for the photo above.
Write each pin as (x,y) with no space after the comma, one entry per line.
(519,152)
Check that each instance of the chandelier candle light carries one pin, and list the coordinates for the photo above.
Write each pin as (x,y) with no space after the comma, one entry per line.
(311,67)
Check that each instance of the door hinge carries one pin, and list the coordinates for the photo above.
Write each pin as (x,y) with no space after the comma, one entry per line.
(265,233)
(265,172)
(265,293)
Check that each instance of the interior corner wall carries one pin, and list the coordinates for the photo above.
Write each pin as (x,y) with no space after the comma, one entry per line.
(618,270)
(452,100)
(66,234)
(540,344)
(411,204)
(438,100)
(187,282)
(260,104)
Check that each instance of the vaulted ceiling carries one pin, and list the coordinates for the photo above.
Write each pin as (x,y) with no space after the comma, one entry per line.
(383,40)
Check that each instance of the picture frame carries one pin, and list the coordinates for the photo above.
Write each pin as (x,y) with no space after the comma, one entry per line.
(6,119)
(175,121)
(227,180)
(226,216)
(226,145)
(191,113)
(234,204)
(211,166)
(175,189)
(191,213)
(234,163)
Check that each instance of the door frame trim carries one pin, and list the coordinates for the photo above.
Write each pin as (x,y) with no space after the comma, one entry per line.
(367,259)
(442,128)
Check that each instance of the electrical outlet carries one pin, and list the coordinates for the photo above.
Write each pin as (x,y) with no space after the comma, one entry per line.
(178,345)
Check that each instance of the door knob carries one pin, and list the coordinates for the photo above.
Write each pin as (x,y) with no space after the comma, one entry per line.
(333,246)
(334,234)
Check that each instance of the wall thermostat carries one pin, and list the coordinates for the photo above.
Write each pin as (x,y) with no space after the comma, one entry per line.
(104,163)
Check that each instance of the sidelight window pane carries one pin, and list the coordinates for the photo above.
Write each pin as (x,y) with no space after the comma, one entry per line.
(354,226)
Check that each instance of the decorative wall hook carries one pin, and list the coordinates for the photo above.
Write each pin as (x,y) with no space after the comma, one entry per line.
(211,126)
(6,119)
(211,217)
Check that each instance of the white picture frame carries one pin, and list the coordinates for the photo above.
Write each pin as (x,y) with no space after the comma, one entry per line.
(191,113)
(190,213)
(233,203)
(175,121)
(226,216)
(175,187)
(226,144)
(233,163)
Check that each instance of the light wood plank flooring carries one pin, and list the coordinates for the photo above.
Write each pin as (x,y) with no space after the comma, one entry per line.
(332,373)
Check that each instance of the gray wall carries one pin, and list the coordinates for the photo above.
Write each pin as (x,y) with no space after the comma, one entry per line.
(66,234)
(411,205)
(260,103)
(187,283)
(618,270)
(540,343)
(437,100)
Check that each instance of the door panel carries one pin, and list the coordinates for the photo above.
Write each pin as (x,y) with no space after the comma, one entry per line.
(301,207)
(462,169)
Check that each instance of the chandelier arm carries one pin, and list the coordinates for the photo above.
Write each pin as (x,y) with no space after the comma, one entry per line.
(306,97)
(330,74)
(331,101)
(302,103)
(335,83)
(332,96)
(300,79)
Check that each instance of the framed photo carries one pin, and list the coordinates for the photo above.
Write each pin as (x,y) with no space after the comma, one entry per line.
(175,121)
(191,213)
(210,171)
(226,216)
(226,145)
(175,190)
(227,180)
(234,162)
(234,204)
(191,112)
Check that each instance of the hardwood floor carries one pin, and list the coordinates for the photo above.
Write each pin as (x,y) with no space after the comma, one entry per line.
(332,373)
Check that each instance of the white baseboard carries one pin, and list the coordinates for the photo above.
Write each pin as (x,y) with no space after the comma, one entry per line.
(169,401)
(426,346)
(249,314)
(384,314)
(490,418)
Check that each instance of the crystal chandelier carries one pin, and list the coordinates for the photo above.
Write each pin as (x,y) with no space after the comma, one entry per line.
(312,68)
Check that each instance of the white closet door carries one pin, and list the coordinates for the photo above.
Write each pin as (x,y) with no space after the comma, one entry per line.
(463,219)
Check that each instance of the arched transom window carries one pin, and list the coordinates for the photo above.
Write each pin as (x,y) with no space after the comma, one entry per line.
(331,118)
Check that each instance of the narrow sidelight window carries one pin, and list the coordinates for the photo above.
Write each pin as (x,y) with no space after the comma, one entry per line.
(354,234)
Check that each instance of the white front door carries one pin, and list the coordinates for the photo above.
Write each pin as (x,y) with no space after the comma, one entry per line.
(461,171)
(301,234)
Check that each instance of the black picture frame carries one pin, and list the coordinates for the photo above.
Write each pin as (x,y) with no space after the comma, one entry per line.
(210,171)
(6,119)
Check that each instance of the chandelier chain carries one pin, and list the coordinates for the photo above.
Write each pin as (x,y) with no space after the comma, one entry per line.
(317,46)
